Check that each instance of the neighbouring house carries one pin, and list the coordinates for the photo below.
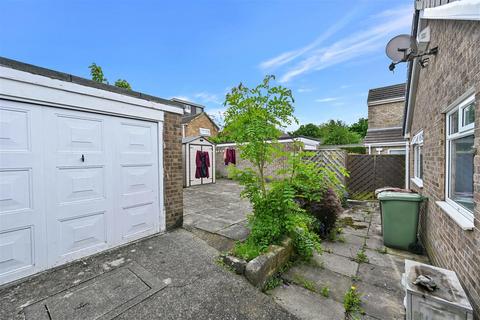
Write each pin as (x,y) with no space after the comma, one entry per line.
(288,141)
(385,118)
(195,121)
(442,123)
(84,167)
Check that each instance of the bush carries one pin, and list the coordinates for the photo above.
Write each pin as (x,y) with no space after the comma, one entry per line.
(247,250)
(326,212)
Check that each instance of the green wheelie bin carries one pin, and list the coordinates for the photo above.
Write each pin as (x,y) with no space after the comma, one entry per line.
(399,218)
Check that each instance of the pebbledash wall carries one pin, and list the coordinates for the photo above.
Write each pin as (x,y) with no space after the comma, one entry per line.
(173,170)
(449,74)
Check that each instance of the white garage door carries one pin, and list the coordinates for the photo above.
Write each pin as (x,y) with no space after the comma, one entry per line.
(72,184)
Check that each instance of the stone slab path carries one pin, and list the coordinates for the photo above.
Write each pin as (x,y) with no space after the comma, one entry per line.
(216,213)
(378,280)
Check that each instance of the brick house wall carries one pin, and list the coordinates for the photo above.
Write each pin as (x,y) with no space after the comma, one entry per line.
(192,128)
(173,171)
(385,115)
(450,74)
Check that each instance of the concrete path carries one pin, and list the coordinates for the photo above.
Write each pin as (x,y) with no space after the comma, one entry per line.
(216,213)
(170,276)
(335,271)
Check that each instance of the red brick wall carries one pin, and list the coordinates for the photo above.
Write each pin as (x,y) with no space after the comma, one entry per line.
(450,74)
(173,172)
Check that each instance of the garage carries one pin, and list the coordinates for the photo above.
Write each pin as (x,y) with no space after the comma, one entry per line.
(75,177)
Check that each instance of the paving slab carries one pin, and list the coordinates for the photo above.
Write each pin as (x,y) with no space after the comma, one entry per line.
(194,286)
(307,305)
(336,263)
(382,277)
(238,232)
(374,242)
(345,249)
(321,278)
(408,255)
(217,208)
(380,303)
(351,238)
(385,260)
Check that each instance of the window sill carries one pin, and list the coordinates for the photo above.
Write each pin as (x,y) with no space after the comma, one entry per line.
(418,182)
(459,219)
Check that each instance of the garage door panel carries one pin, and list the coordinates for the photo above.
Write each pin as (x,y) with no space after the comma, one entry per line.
(138,221)
(16,250)
(80,208)
(84,232)
(15,190)
(138,188)
(79,133)
(14,132)
(22,216)
(81,184)
(136,137)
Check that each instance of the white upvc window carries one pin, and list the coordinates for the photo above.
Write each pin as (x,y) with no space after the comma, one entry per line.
(204,132)
(460,153)
(417,143)
(397,151)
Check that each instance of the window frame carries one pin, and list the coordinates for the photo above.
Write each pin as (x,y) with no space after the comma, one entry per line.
(417,143)
(463,131)
(204,133)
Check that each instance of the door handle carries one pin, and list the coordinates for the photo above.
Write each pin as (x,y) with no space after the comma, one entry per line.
(83,158)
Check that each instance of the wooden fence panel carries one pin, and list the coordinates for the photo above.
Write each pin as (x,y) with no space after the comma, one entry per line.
(332,159)
(370,172)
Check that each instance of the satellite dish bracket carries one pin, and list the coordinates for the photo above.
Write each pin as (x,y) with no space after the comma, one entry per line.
(412,55)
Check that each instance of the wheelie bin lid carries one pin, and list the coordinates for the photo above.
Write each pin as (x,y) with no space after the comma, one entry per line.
(402,196)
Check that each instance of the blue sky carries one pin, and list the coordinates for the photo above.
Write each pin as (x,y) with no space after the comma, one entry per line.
(328,52)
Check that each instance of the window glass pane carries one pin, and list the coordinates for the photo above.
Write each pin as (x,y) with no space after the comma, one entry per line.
(420,162)
(461,171)
(469,114)
(453,123)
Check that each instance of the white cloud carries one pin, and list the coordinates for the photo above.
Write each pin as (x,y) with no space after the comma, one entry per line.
(330,99)
(301,90)
(314,57)
(206,97)
(288,56)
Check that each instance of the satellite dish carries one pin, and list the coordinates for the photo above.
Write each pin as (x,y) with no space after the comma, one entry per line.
(400,47)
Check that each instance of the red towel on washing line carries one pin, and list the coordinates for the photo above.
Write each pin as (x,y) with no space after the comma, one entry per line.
(202,163)
(229,156)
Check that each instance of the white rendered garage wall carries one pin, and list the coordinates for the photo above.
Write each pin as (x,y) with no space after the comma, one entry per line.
(76,179)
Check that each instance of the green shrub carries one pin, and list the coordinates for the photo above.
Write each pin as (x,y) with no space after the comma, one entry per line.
(247,250)
(352,302)
(326,212)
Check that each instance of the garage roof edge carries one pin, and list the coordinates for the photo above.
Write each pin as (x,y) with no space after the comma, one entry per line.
(25,67)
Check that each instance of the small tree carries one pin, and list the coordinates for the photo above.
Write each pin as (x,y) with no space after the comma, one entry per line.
(97,73)
(308,130)
(360,127)
(336,132)
(253,120)
(123,84)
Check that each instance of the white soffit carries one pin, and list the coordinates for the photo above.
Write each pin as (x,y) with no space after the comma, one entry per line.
(457,10)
